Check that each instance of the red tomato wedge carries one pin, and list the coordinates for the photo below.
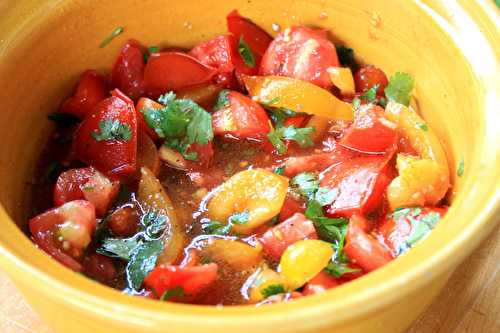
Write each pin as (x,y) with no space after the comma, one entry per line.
(90,90)
(368,76)
(146,103)
(276,240)
(166,71)
(320,283)
(192,279)
(301,53)
(114,155)
(290,207)
(128,70)
(204,156)
(219,53)
(88,184)
(361,182)
(65,232)
(297,121)
(254,36)
(244,118)
(99,267)
(363,249)
(371,132)
(396,231)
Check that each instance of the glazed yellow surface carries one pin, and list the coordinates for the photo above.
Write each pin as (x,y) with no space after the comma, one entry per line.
(450,47)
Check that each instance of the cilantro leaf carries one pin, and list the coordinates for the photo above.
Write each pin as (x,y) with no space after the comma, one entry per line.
(216,228)
(174,292)
(356,103)
(307,183)
(246,53)
(279,170)
(118,31)
(300,135)
(273,289)
(153,223)
(346,57)
(371,94)
(423,127)
(399,88)
(118,248)
(142,261)
(337,269)
(279,115)
(151,50)
(326,196)
(110,130)
(222,100)
(239,218)
(461,167)
(329,229)
(63,119)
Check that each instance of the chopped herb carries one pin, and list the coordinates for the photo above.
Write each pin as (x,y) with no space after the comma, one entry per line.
(400,212)
(273,221)
(423,127)
(151,50)
(153,224)
(279,170)
(461,167)
(337,269)
(329,229)
(497,2)
(382,102)
(307,183)
(246,53)
(272,289)
(118,248)
(326,196)
(300,135)
(222,100)
(239,218)
(272,102)
(174,292)
(279,115)
(118,31)
(142,261)
(371,94)
(356,103)
(181,122)
(63,119)
(346,57)
(399,88)
(216,228)
(112,130)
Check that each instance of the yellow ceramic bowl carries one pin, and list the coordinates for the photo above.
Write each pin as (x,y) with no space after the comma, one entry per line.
(450,47)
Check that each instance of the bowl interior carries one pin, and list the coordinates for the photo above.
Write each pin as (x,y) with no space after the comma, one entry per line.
(45,45)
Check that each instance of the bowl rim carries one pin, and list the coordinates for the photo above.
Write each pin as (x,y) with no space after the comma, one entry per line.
(364,300)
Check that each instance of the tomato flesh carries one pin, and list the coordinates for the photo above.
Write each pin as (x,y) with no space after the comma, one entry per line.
(128,71)
(368,76)
(90,90)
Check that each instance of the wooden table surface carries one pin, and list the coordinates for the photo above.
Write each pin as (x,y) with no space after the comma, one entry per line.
(469,303)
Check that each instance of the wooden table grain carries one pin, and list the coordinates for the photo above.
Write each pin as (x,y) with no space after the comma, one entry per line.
(469,303)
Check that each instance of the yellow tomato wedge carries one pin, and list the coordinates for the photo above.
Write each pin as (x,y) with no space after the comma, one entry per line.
(257,192)
(266,282)
(320,125)
(342,78)
(153,198)
(236,254)
(147,154)
(423,180)
(297,95)
(203,95)
(303,260)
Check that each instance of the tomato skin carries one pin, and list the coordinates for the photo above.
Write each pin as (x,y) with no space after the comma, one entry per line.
(368,76)
(297,121)
(290,207)
(363,249)
(44,229)
(247,118)
(219,53)
(86,183)
(192,279)
(128,71)
(320,283)
(277,239)
(123,222)
(114,158)
(396,232)
(205,155)
(90,90)
(100,268)
(361,182)
(301,53)
(254,36)
(167,71)
(371,132)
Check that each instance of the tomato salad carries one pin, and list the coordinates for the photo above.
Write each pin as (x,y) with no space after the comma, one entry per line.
(247,170)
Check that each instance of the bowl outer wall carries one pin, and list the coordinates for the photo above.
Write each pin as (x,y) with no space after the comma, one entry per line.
(446,45)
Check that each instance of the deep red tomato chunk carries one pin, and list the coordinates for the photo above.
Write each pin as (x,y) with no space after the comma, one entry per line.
(302,53)
(192,279)
(371,132)
(90,90)
(114,154)
(167,71)
(368,76)
(320,283)
(128,71)
(99,267)
(362,248)
(244,118)
(65,232)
